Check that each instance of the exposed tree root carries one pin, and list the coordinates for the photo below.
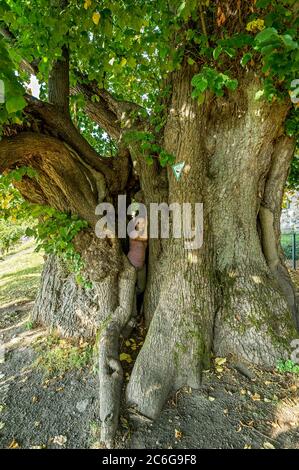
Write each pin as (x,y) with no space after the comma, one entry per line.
(110,369)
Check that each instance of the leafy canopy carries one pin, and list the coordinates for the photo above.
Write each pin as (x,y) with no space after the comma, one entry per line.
(130,47)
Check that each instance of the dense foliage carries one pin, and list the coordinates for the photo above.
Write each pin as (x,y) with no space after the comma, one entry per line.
(130,47)
(53,230)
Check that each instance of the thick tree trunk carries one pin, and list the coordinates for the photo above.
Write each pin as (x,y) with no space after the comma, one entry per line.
(73,309)
(232,296)
(226,297)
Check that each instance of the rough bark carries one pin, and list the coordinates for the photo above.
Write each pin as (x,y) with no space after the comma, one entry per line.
(224,297)
(230,297)
(110,369)
(76,311)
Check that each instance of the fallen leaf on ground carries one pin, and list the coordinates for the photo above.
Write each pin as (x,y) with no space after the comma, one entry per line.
(125,357)
(268,445)
(219,361)
(14,445)
(256,397)
(60,440)
(178,434)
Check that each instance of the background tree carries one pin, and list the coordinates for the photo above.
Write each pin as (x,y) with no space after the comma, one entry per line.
(148,84)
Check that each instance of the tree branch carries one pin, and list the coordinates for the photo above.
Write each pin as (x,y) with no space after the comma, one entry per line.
(63,181)
(99,111)
(62,126)
(59,83)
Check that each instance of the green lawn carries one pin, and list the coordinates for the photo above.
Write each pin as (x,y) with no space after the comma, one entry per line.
(20,274)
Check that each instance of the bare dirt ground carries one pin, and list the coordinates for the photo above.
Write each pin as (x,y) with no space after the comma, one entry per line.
(49,395)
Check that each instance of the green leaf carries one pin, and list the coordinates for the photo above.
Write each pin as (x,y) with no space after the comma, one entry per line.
(232,84)
(199,82)
(263,3)
(217,52)
(266,35)
(245,59)
(15,103)
(181,8)
(288,42)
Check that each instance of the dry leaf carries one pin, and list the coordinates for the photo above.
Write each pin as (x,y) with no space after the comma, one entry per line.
(14,445)
(256,397)
(96,18)
(87,4)
(125,357)
(268,445)
(212,398)
(219,361)
(60,440)
(178,434)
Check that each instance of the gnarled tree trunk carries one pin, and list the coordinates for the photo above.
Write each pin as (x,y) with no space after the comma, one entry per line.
(232,296)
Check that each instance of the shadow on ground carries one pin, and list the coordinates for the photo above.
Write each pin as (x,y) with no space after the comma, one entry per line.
(235,408)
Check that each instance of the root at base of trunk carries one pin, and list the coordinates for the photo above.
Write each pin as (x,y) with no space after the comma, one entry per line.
(110,369)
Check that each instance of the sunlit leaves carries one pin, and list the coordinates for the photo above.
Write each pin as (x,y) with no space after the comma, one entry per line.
(255,25)
(213,80)
(87,4)
(15,103)
(131,47)
(52,229)
(96,17)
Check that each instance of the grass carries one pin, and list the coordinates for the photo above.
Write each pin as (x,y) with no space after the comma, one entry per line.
(20,273)
(288,366)
(56,355)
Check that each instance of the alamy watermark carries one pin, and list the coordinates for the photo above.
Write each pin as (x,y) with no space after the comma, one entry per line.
(157,221)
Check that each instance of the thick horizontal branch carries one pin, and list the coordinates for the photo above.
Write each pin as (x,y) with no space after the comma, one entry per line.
(63,181)
(61,125)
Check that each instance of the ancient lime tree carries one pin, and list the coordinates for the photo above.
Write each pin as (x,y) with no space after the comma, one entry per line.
(127,89)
